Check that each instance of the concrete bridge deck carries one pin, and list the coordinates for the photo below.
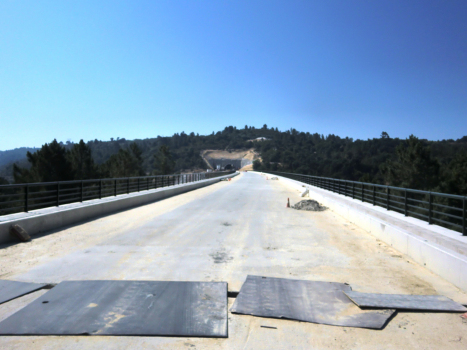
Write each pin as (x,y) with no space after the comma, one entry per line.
(223,233)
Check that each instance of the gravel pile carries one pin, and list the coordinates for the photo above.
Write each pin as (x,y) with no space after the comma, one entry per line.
(308,204)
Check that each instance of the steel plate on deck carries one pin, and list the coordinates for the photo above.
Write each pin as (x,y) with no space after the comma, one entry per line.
(406,302)
(310,301)
(194,309)
(10,290)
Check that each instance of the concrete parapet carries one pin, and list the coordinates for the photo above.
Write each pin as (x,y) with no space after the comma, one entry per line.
(42,220)
(439,249)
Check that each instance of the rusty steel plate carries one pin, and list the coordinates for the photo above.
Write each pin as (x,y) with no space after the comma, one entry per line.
(405,302)
(310,301)
(10,290)
(150,308)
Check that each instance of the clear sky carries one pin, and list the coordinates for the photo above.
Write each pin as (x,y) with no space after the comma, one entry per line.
(138,69)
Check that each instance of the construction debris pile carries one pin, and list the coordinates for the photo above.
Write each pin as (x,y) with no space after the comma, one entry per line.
(309,204)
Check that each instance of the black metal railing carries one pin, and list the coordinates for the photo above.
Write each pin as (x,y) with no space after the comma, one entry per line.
(31,196)
(443,209)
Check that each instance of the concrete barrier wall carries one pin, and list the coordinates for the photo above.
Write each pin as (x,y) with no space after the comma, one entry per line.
(440,250)
(47,219)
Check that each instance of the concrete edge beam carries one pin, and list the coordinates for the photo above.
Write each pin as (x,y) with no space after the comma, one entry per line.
(429,249)
(47,219)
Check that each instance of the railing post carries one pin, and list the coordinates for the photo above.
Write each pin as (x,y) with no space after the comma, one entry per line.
(115,187)
(405,204)
(345,188)
(147,184)
(138,183)
(464,208)
(430,207)
(58,194)
(387,198)
(363,193)
(26,199)
(100,189)
(128,186)
(353,190)
(82,191)
(374,195)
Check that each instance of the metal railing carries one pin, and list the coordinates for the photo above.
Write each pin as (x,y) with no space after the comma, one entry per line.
(443,209)
(31,196)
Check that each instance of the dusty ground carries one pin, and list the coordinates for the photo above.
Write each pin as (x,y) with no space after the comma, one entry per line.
(223,233)
(235,154)
(247,168)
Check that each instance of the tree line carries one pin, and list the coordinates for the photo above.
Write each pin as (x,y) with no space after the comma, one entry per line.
(54,162)
(439,166)
(413,163)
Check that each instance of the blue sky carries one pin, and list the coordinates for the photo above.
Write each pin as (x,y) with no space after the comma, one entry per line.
(138,69)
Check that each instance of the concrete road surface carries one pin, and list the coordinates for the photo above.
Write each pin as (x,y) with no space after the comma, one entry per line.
(223,233)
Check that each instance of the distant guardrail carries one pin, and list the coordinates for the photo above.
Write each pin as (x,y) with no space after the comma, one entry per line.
(444,209)
(18,198)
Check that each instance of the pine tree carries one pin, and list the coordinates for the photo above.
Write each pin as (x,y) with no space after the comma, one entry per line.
(125,163)
(48,164)
(455,175)
(163,161)
(82,162)
(414,167)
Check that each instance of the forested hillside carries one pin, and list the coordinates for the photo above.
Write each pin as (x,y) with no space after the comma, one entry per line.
(13,155)
(414,163)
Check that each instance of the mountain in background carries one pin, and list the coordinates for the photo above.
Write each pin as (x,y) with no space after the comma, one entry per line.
(13,155)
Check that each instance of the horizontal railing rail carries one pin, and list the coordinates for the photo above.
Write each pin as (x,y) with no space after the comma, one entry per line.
(18,198)
(443,209)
